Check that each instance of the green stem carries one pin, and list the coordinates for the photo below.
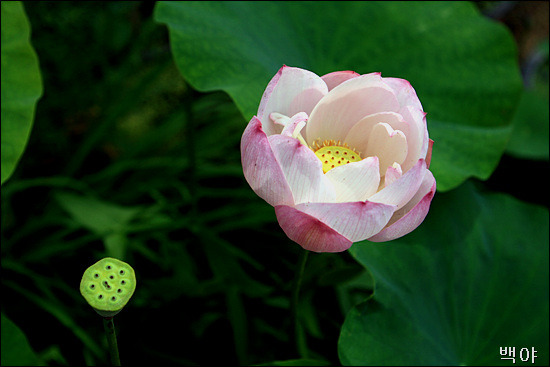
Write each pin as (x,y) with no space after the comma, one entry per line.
(109,326)
(299,338)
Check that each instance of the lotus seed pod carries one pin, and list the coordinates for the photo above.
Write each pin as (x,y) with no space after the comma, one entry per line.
(108,285)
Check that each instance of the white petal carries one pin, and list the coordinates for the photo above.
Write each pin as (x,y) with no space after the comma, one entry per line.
(393,173)
(355,181)
(410,216)
(294,125)
(346,104)
(401,191)
(406,95)
(417,135)
(387,144)
(279,118)
(290,91)
(358,136)
(302,169)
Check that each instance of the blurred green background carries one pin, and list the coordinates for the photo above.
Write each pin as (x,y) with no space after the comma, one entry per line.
(127,159)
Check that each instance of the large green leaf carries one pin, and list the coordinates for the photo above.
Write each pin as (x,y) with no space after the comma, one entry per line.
(16,350)
(530,134)
(531,131)
(472,278)
(462,65)
(21,84)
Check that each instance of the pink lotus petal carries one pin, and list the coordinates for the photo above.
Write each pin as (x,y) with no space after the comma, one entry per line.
(429,153)
(393,173)
(387,144)
(406,95)
(346,104)
(290,91)
(309,232)
(268,91)
(408,218)
(302,169)
(260,167)
(358,136)
(401,191)
(356,221)
(355,181)
(417,136)
(338,77)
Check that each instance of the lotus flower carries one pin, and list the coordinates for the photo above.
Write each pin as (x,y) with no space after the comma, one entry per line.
(342,158)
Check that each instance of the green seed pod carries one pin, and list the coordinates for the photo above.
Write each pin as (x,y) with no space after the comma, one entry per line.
(108,285)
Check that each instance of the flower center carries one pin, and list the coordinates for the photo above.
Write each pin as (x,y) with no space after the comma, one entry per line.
(334,154)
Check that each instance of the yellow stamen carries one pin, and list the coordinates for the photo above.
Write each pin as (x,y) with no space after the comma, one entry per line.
(333,154)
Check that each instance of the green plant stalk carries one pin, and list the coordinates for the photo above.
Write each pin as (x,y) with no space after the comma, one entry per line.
(299,338)
(109,326)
